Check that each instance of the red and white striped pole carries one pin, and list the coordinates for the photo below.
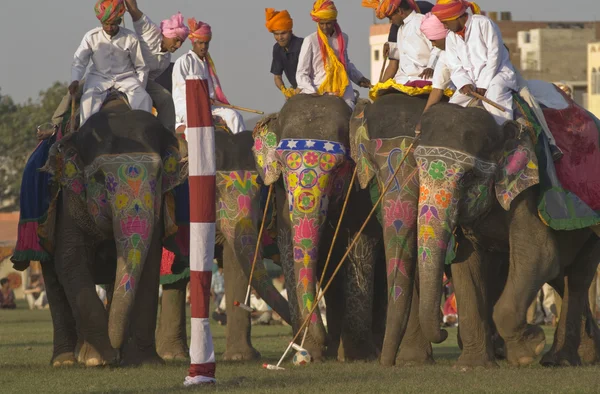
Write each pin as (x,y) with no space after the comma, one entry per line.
(202,167)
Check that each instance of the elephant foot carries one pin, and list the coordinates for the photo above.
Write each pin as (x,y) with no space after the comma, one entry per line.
(469,361)
(589,346)
(64,360)
(138,358)
(177,351)
(247,354)
(90,357)
(525,350)
(499,347)
(561,358)
(415,356)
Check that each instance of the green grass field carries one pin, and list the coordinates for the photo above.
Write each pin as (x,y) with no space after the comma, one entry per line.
(26,346)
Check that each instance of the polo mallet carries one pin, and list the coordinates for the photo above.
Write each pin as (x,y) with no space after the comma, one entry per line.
(352,244)
(292,344)
(488,101)
(245,306)
(385,58)
(72,120)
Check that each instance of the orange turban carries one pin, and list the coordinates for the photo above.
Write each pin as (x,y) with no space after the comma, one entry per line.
(109,11)
(199,30)
(385,8)
(448,10)
(324,11)
(278,20)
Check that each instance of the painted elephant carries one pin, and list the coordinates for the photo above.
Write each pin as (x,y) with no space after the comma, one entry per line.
(238,220)
(381,134)
(482,179)
(307,146)
(106,224)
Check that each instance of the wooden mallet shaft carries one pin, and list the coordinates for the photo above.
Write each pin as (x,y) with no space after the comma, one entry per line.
(488,101)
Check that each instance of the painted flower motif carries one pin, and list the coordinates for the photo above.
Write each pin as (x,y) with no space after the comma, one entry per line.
(134,257)
(135,226)
(298,254)
(244,204)
(423,194)
(76,186)
(426,232)
(516,162)
(306,232)
(396,265)
(93,208)
(399,214)
(323,182)
(258,144)
(271,139)
(311,159)
(70,169)
(170,165)
(437,169)
(292,181)
(327,162)
(121,201)
(294,160)
(443,198)
(111,184)
(148,202)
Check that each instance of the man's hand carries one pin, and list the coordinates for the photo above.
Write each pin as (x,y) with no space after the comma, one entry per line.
(364,83)
(481,91)
(386,50)
(180,129)
(73,87)
(133,9)
(467,90)
(427,73)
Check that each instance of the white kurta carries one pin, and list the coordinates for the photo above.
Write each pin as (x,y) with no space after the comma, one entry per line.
(415,52)
(117,62)
(150,40)
(441,74)
(482,60)
(311,70)
(191,65)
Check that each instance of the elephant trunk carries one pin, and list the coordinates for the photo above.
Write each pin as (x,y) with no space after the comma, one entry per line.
(436,221)
(399,221)
(135,201)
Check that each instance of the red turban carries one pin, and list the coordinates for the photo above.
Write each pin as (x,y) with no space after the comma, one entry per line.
(433,28)
(448,10)
(278,20)
(199,30)
(175,27)
(385,8)
(108,11)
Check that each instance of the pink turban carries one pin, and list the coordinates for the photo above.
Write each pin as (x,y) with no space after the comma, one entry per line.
(433,28)
(174,27)
(199,30)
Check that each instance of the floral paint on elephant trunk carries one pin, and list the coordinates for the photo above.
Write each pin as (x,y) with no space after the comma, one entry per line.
(310,174)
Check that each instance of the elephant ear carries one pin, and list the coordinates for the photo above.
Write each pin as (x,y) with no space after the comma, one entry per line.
(518,169)
(360,141)
(175,170)
(264,149)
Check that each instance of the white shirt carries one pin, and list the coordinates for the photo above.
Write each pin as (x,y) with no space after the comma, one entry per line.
(311,70)
(441,74)
(415,51)
(113,58)
(188,65)
(480,56)
(150,40)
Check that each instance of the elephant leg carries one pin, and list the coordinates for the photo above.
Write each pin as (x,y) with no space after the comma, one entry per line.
(380,304)
(468,276)
(63,322)
(239,345)
(529,268)
(141,346)
(171,335)
(497,272)
(335,310)
(577,332)
(415,349)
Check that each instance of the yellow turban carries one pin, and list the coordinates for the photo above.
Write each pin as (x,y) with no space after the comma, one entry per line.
(324,11)
(278,20)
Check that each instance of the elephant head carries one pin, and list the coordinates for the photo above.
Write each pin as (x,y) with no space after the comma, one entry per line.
(306,146)
(464,168)
(109,191)
(380,139)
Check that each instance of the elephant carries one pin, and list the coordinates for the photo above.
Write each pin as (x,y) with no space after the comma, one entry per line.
(238,216)
(303,152)
(106,224)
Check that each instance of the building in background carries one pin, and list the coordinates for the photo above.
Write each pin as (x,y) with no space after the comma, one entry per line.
(593,78)
(550,51)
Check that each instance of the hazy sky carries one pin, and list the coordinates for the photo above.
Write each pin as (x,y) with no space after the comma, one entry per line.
(38,38)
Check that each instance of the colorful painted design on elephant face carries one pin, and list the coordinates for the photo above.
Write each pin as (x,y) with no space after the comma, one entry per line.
(518,171)
(130,188)
(265,146)
(311,169)
(380,158)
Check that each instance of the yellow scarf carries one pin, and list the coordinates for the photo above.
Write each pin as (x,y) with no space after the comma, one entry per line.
(336,78)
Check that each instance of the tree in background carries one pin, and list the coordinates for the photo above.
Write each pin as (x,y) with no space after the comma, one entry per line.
(18,123)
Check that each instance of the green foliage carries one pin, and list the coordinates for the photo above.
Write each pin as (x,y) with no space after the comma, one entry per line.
(18,123)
